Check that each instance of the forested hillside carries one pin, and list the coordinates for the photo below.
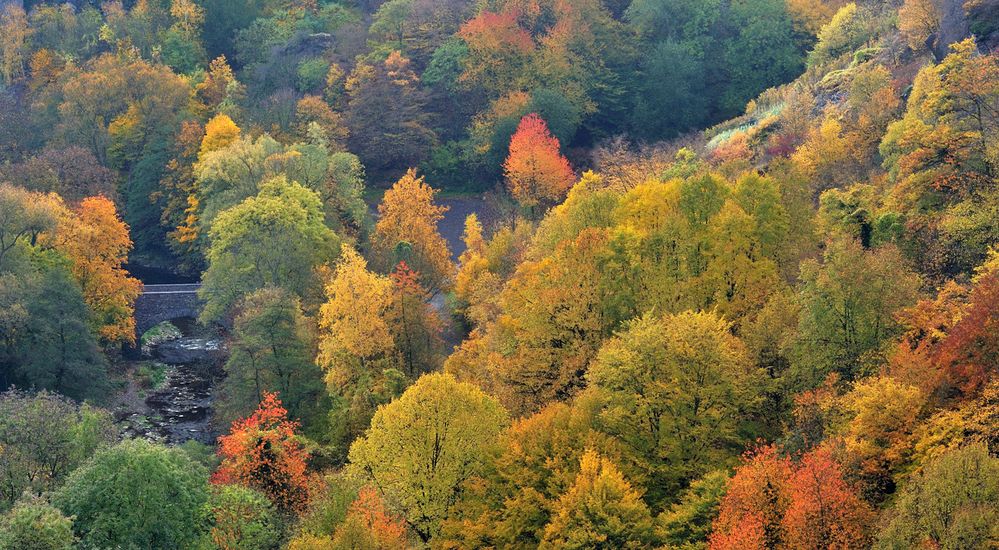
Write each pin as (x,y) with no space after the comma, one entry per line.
(731,279)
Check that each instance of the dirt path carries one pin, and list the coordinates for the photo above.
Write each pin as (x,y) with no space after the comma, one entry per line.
(453,225)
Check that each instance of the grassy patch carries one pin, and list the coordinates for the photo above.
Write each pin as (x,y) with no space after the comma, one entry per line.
(161,332)
(151,375)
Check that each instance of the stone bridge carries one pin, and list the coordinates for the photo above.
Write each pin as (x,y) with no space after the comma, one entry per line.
(159,303)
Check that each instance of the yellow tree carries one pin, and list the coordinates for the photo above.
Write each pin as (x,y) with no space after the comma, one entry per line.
(97,242)
(356,347)
(352,321)
(918,20)
(407,230)
(219,86)
(422,448)
(219,132)
(475,285)
(14,34)
(600,510)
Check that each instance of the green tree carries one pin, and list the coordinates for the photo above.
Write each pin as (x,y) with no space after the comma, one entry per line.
(847,306)
(951,505)
(136,495)
(241,518)
(34,524)
(680,392)
(271,351)
(687,523)
(57,351)
(343,192)
(23,217)
(276,238)
(707,59)
(423,446)
(226,176)
(44,437)
(761,54)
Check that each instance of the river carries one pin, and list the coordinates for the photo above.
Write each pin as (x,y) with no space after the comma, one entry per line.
(169,393)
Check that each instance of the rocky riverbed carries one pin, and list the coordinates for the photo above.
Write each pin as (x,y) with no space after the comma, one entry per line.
(169,393)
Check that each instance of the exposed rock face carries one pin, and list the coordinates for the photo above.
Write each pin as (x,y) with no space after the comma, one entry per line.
(953,27)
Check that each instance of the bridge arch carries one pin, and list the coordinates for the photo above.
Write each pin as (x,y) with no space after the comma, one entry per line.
(159,303)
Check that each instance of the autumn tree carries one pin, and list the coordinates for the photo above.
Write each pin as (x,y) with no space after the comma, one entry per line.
(219,92)
(969,352)
(241,519)
(97,242)
(941,157)
(423,446)
(415,324)
(475,283)
(537,460)
(353,318)
(883,415)
(13,47)
(407,231)
(72,172)
(181,46)
(126,110)
(755,502)
(313,110)
(600,510)
(263,452)
(808,16)
(739,274)
(772,502)
(356,345)
(536,172)
(825,511)
(678,391)
(220,131)
(369,524)
(918,20)
(498,50)
(848,29)
(343,194)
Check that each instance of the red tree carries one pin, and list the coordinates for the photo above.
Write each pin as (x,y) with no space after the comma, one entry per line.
(754,504)
(263,452)
(970,352)
(368,514)
(535,170)
(825,512)
(774,503)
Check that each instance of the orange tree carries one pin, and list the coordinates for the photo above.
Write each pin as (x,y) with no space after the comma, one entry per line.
(536,172)
(263,452)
